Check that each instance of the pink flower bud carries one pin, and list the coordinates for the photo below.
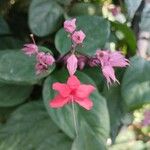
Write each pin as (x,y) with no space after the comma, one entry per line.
(45,59)
(30,49)
(39,68)
(49,59)
(72,64)
(70,25)
(78,37)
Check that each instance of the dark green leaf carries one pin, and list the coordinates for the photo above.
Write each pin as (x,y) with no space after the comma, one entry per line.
(64,2)
(4,29)
(45,17)
(30,127)
(63,116)
(97,31)
(79,9)
(87,140)
(10,43)
(11,95)
(128,35)
(136,83)
(16,67)
(114,100)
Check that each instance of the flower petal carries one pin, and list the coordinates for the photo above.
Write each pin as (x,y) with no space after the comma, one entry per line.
(109,74)
(84,90)
(86,103)
(63,89)
(58,102)
(72,64)
(73,82)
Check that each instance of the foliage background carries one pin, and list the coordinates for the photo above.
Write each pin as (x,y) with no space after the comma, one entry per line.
(27,122)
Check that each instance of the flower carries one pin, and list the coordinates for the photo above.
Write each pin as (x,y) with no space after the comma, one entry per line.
(108,60)
(39,68)
(72,91)
(72,64)
(45,59)
(70,25)
(30,49)
(78,37)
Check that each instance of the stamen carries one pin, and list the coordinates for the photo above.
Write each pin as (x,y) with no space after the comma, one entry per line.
(32,37)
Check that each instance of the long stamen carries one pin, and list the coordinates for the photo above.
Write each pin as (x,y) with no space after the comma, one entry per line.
(32,37)
(74,117)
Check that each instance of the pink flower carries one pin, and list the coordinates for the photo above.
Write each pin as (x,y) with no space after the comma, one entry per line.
(70,25)
(30,49)
(39,68)
(72,91)
(109,60)
(146,121)
(72,64)
(78,37)
(45,59)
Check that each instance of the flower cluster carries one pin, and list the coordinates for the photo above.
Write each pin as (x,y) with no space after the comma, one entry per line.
(108,61)
(44,60)
(73,90)
(77,38)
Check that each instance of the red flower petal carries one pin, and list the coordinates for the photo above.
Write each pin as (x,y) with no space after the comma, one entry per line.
(63,89)
(58,101)
(73,82)
(86,103)
(84,90)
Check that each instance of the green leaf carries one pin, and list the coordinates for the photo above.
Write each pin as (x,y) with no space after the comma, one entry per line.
(115,107)
(16,67)
(63,116)
(145,21)
(64,2)
(96,75)
(4,29)
(10,43)
(136,83)
(132,6)
(97,32)
(79,9)
(128,35)
(87,140)
(30,127)
(11,95)
(45,17)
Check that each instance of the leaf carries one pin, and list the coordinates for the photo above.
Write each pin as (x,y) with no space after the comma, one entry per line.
(97,32)
(44,22)
(128,35)
(63,116)
(10,43)
(87,140)
(145,21)
(79,9)
(136,83)
(4,29)
(30,127)
(116,110)
(11,95)
(16,67)
(132,6)
(96,75)
(64,2)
